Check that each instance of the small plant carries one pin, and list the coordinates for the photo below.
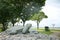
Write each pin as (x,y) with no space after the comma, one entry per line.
(0,29)
(47,28)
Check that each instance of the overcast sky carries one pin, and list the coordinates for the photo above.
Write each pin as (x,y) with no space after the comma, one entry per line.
(52,10)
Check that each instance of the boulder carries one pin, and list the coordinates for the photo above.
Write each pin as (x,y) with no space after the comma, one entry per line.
(18,29)
(14,30)
(34,32)
(26,28)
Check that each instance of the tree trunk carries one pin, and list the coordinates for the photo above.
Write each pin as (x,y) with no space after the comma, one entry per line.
(13,21)
(5,24)
(23,24)
(13,24)
(37,24)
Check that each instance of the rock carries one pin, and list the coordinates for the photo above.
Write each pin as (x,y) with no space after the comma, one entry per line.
(14,30)
(28,36)
(34,32)
(26,28)
(18,29)
(53,37)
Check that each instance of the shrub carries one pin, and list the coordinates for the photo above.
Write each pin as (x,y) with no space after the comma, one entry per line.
(47,28)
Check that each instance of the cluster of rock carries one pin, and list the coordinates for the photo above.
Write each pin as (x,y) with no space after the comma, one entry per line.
(23,33)
(18,29)
(28,37)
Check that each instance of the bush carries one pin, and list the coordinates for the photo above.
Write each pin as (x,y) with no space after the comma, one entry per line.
(0,29)
(47,28)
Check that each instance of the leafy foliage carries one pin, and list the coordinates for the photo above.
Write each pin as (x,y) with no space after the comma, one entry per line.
(38,16)
(47,28)
(31,7)
(12,9)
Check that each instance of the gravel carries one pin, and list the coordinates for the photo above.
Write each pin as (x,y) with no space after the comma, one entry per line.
(28,36)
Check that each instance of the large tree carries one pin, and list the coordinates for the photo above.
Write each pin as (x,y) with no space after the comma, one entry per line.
(39,16)
(12,9)
(30,7)
(8,11)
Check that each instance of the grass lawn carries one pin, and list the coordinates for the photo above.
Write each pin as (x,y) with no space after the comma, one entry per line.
(42,30)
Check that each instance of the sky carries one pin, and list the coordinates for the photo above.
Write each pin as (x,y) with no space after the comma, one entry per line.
(52,10)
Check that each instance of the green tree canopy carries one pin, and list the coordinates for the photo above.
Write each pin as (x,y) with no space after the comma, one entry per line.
(12,9)
(39,16)
(29,8)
